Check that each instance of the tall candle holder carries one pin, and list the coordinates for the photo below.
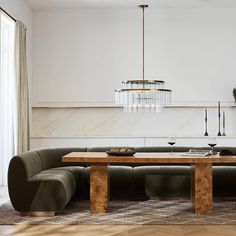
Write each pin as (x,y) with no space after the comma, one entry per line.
(219,133)
(224,134)
(206,133)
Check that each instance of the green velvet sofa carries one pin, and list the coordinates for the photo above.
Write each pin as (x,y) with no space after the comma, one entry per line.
(39,182)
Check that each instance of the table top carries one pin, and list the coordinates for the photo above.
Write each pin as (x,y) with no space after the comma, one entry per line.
(144,158)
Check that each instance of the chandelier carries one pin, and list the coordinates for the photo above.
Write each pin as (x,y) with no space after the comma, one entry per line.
(143,95)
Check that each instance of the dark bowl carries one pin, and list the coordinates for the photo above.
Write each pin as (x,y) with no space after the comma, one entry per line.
(111,153)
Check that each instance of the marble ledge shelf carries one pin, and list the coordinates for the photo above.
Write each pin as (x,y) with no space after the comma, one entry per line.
(117,106)
(130,137)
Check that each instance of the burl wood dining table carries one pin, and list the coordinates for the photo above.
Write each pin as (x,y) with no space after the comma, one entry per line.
(201,174)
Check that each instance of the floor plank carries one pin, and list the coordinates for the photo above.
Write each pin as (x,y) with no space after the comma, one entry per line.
(111,230)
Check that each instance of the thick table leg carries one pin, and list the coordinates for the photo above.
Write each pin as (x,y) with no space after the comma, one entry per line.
(99,188)
(202,188)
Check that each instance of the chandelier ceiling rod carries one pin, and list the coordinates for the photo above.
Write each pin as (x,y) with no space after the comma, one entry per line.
(143,38)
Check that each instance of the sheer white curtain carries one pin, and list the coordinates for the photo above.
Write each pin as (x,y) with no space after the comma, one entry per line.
(7,92)
(22,94)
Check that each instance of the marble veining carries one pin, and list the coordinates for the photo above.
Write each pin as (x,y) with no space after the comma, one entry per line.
(112,122)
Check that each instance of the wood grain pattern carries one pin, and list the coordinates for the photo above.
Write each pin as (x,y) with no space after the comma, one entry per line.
(144,158)
(201,174)
(118,230)
(202,188)
(99,188)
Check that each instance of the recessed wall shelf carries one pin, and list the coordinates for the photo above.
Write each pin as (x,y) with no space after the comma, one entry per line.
(135,141)
(110,105)
(199,106)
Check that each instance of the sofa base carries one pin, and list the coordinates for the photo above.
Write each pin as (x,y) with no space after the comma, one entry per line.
(37,214)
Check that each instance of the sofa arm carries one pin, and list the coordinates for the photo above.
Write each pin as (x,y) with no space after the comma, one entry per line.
(50,190)
(21,168)
(17,183)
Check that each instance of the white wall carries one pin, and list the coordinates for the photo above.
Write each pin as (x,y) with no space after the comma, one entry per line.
(83,55)
(20,10)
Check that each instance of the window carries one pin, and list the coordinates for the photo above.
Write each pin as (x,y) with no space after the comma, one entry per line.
(7,88)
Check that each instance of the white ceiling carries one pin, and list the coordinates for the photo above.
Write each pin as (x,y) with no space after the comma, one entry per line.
(58,4)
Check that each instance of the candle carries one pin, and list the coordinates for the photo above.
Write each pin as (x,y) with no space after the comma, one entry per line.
(219,108)
(224,124)
(206,133)
(223,118)
(219,133)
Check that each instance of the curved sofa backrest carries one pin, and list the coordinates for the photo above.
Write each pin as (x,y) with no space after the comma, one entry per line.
(51,157)
(29,163)
(161,149)
(232,149)
(141,149)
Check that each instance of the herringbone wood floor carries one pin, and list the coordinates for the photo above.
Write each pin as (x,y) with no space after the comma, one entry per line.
(109,230)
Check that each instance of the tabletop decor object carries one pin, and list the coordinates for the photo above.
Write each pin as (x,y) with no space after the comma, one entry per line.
(212,143)
(224,134)
(171,142)
(143,95)
(121,152)
(206,133)
(219,133)
(197,152)
(234,94)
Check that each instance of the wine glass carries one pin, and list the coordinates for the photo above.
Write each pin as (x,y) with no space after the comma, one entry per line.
(171,142)
(212,143)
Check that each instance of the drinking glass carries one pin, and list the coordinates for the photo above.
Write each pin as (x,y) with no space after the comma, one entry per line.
(171,142)
(212,143)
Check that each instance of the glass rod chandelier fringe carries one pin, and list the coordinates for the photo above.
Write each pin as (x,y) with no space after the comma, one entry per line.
(143,97)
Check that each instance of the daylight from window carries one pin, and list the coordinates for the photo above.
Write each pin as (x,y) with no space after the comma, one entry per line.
(7,87)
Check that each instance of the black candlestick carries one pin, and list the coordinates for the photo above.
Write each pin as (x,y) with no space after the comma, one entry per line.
(219,133)
(206,133)
(224,134)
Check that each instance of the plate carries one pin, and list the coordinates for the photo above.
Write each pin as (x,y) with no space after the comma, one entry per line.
(111,153)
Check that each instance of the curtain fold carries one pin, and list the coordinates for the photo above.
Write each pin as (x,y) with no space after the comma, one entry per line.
(22,129)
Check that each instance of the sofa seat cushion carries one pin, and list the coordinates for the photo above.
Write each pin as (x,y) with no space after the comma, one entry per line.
(164,180)
(167,185)
(78,174)
(224,184)
(51,190)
